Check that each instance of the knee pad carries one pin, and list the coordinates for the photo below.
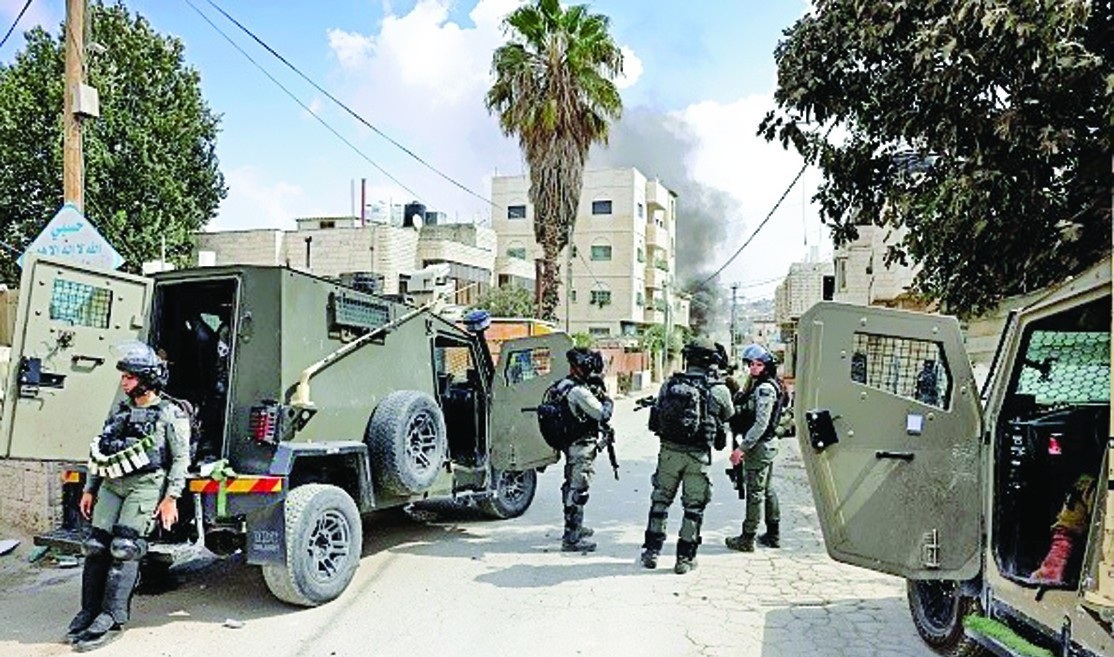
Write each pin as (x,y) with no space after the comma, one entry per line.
(695,515)
(127,544)
(580,497)
(97,543)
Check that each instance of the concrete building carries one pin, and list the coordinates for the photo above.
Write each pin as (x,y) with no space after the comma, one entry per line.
(863,277)
(806,284)
(623,256)
(389,255)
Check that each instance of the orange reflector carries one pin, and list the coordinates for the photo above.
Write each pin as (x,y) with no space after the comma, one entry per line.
(71,477)
(238,485)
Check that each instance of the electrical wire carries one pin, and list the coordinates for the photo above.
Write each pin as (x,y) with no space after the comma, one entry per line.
(346,108)
(299,101)
(15,22)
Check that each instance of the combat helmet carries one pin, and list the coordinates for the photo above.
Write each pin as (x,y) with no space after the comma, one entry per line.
(702,352)
(585,359)
(758,353)
(141,361)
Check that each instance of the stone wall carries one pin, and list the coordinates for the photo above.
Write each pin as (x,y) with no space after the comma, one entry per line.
(31,494)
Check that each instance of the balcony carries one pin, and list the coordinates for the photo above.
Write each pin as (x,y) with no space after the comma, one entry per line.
(656,236)
(651,316)
(655,278)
(657,196)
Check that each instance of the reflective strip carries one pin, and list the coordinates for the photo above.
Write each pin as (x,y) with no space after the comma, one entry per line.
(238,485)
(71,477)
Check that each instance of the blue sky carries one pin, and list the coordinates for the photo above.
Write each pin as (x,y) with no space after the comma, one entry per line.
(417,70)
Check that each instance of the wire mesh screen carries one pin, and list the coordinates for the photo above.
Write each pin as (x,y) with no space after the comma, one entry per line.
(454,360)
(1062,368)
(80,304)
(902,366)
(527,364)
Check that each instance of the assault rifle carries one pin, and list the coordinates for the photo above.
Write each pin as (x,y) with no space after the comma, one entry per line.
(607,440)
(644,402)
(737,474)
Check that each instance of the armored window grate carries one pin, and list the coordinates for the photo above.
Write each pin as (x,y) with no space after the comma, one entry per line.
(80,304)
(1067,367)
(359,313)
(915,369)
(528,364)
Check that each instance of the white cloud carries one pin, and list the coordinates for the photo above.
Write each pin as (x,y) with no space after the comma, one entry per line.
(632,69)
(254,202)
(731,157)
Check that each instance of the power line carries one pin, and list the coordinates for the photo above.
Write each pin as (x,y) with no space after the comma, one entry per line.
(15,22)
(299,101)
(346,108)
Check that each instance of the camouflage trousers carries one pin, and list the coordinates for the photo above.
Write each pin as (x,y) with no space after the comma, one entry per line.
(580,458)
(129,501)
(761,496)
(686,470)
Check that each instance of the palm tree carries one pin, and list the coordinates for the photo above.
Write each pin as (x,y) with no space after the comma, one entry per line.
(554,89)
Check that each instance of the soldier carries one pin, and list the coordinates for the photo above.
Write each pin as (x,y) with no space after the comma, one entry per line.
(589,407)
(137,468)
(759,408)
(690,416)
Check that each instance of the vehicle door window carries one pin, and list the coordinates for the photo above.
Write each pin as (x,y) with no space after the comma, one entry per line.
(915,369)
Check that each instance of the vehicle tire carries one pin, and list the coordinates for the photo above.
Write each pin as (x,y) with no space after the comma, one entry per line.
(406,440)
(938,609)
(324,538)
(513,494)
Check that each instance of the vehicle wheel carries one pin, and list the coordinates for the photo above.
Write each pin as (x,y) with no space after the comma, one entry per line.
(323,542)
(938,610)
(406,439)
(513,494)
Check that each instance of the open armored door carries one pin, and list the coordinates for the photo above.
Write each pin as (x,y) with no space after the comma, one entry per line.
(527,366)
(62,381)
(888,418)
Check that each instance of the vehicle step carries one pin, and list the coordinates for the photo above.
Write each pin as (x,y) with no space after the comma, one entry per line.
(1000,639)
(66,541)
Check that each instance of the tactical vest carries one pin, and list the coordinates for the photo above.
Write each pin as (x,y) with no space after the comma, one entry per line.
(746,410)
(129,443)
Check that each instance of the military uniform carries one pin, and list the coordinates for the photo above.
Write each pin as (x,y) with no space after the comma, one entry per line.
(758,405)
(683,464)
(140,457)
(589,406)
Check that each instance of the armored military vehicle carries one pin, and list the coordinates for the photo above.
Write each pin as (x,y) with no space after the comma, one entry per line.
(315,403)
(986,502)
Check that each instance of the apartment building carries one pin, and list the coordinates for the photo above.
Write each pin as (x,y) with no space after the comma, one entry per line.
(807,283)
(862,275)
(345,247)
(623,251)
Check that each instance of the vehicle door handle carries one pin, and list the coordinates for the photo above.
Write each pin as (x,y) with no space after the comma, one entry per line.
(903,456)
(80,358)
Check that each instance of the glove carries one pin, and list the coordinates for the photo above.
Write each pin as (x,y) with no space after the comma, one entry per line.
(721,440)
(608,408)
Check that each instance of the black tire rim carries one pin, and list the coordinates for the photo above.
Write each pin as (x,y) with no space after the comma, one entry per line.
(422,442)
(512,489)
(937,602)
(330,544)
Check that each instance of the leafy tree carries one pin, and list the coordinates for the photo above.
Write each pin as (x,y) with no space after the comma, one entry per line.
(654,341)
(583,340)
(980,128)
(150,162)
(705,306)
(507,301)
(553,89)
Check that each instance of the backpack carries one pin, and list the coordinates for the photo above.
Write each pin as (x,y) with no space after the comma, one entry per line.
(194,418)
(554,417)
(682,410)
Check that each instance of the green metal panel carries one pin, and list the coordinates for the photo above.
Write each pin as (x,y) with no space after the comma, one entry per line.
(69,318)
(900,490)
(527,366)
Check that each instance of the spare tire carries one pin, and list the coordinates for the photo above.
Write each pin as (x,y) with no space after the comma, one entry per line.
(406,440)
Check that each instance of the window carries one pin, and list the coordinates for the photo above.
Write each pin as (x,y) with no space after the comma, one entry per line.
(601,298)
(79,304)
(516,212)
(640,254)
(599,331)
(914,369)
(517,252)
(641,211)
(601,207)
(572,296)
(638,299)
(601,252)
(328,223)
(527,364)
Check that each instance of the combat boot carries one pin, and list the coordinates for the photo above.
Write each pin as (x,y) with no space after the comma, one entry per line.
(772,537)
(93,575)
(578,545)
(741,543)
(686,557)
(118,589)
(651,548)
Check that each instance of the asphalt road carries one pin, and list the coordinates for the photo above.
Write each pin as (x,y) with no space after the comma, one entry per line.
(451,583)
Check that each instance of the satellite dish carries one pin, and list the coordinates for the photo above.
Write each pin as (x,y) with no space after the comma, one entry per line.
(417,220)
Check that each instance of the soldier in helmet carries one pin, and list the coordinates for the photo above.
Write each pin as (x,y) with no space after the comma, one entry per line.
(690,416)
(589,407)
(137,469)
(756,423)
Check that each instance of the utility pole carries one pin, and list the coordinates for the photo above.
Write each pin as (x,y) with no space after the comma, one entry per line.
(568,278)
(668,327)
(73,166)
(734,290)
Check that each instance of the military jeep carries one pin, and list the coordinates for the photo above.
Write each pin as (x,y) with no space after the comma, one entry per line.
(917,473)
(315,403)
